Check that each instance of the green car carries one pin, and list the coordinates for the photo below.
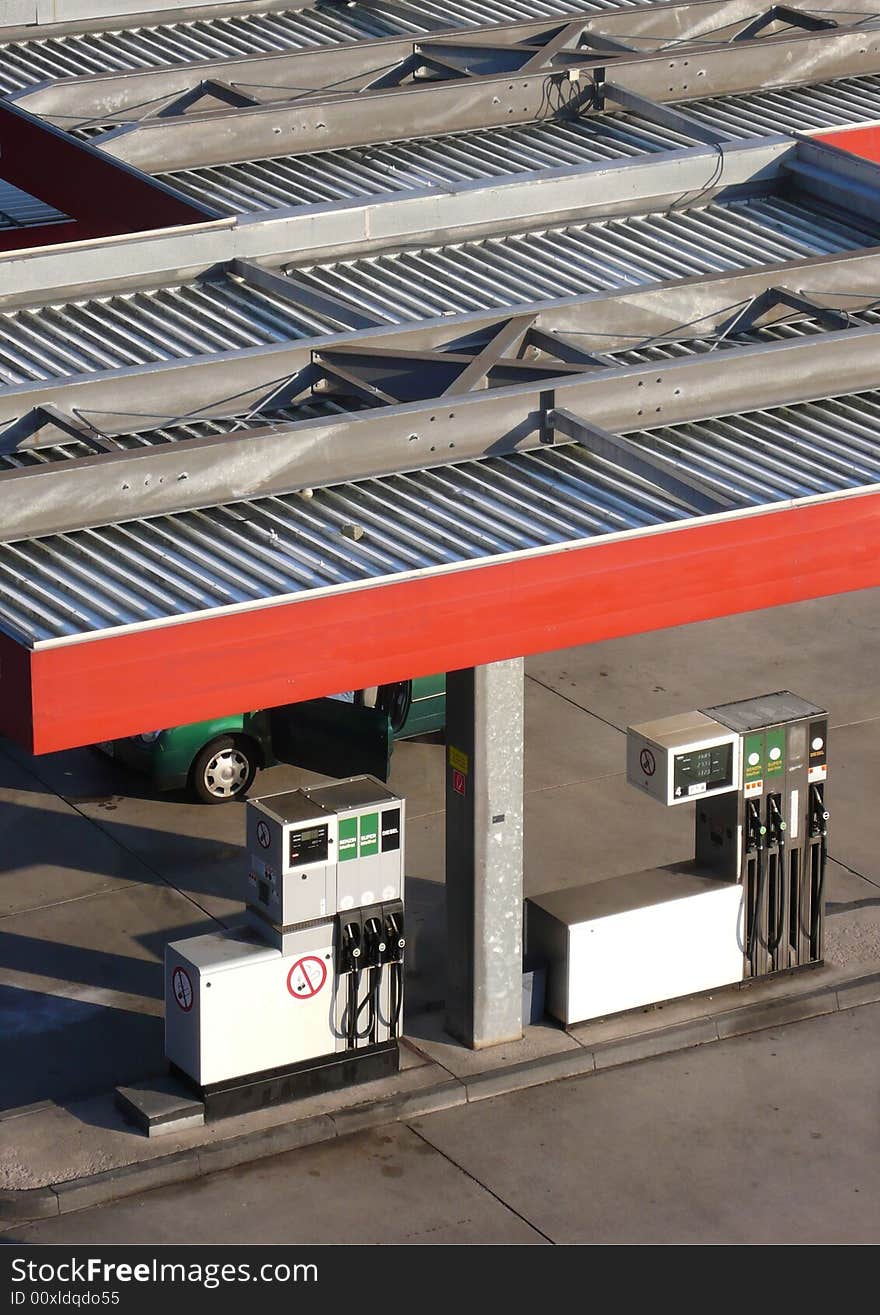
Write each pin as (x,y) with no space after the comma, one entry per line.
(343,735)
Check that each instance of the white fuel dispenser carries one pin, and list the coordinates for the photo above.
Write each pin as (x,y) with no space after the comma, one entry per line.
(750,902)
(308,996)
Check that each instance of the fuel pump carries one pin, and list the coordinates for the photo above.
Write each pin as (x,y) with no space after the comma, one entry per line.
(749,903)
(309,995)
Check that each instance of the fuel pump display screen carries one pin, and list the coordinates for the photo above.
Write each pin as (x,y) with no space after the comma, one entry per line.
(700,770)
(309,845)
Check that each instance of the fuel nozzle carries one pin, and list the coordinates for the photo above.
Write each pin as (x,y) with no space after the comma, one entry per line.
(818,813)
(755,828)
(374,943)
(776,821)
(395,941)
(352,949)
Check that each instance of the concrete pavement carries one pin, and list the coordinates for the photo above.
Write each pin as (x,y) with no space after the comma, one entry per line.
(766,1138)
(99,873)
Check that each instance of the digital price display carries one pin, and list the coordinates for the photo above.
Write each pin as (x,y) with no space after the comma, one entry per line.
(308,845)
(700,770)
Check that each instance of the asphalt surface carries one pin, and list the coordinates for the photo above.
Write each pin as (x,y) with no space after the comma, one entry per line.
(769,1138)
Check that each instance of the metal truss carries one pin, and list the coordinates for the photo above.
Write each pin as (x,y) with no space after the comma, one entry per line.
(403,410)
(490,77)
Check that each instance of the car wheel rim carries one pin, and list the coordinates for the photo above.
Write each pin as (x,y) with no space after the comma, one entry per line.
(226,773)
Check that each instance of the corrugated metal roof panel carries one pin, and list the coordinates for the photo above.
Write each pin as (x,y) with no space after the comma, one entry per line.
(223,314)
(135,328)
(542,264)
(792,109)
(24,63)
(295,180)
(172,566)
(19,209)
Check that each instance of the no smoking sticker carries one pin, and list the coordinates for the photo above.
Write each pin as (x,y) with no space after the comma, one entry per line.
(263,835)
(182,989)
(306,977)
(647,763)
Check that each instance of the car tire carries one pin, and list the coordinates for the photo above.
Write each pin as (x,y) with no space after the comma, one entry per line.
(224,770)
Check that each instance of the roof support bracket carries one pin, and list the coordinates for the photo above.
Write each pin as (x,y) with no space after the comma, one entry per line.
(664,115)
(641,462)
(287,287)
(749,315)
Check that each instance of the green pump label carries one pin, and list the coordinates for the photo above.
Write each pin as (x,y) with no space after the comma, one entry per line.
(348,838)
(776,752)
(369,834)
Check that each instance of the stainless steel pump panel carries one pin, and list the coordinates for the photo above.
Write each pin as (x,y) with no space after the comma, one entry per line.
(682,758)
(315,852)
(291,844)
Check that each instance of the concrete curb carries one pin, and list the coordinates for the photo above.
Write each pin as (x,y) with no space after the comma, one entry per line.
(31,1204)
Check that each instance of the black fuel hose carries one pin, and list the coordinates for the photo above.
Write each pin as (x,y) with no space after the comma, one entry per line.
(758,847)
(371,999)
(351,1009)
(819,826)
(779,909)
(396,997)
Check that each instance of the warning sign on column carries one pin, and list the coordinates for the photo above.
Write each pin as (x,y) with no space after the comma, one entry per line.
(459,783)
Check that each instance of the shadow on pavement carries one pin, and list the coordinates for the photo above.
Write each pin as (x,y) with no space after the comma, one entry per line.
(71,1048)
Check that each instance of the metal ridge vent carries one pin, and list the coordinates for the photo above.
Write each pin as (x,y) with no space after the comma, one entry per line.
(171,566)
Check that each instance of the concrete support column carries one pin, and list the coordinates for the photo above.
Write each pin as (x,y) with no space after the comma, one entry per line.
(484,853)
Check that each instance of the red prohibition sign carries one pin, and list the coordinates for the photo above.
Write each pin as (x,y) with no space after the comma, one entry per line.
(182,989)
(647,763)
(306,977)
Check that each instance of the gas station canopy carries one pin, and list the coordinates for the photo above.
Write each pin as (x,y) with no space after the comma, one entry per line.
(586,352)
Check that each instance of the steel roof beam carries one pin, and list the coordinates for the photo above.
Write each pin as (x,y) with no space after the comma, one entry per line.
(599,322)
(115,93)
(502,343)
(335,122)
(656,112)
(205,472)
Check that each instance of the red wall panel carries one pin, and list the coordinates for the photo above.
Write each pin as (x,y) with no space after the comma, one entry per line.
(176,673)
(864,142)
(102,196)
